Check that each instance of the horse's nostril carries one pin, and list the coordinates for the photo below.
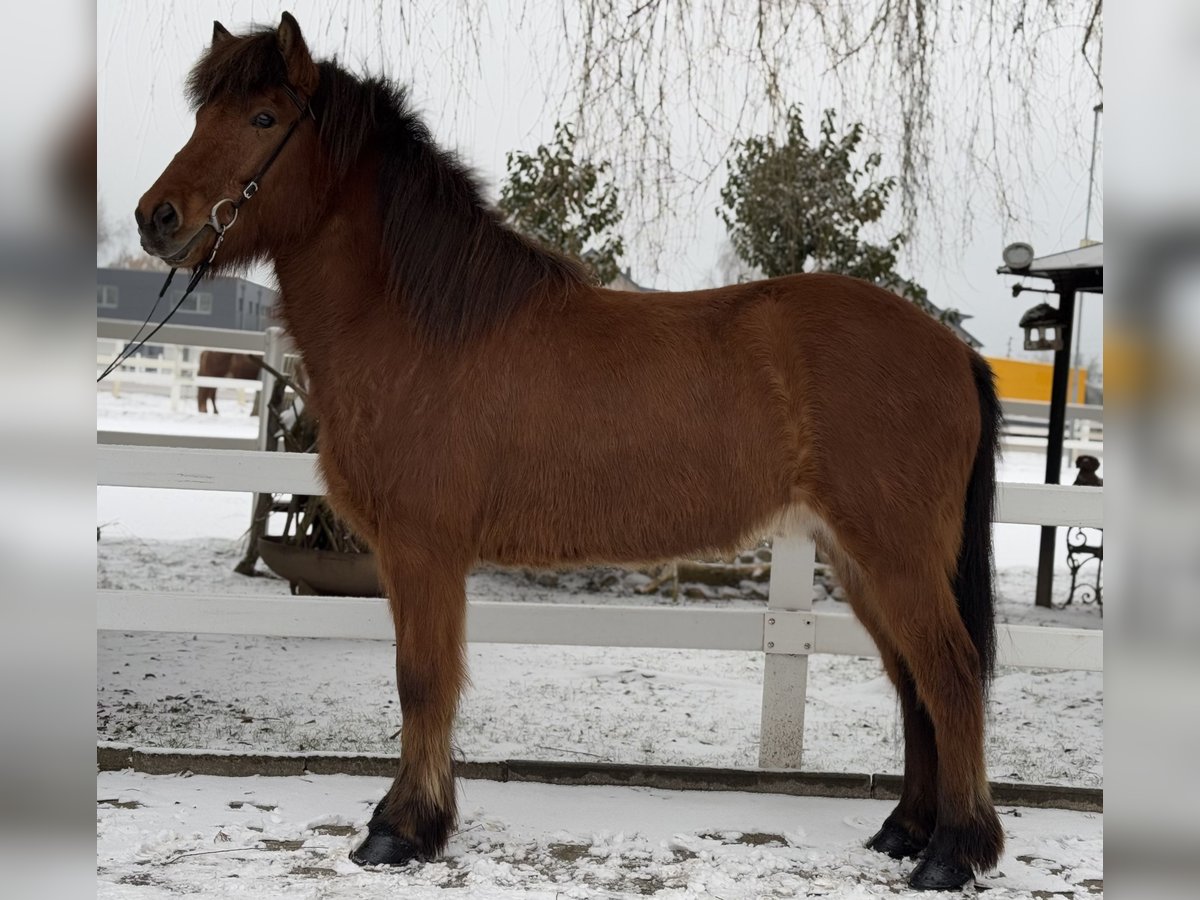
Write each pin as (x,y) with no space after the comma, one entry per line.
(166,220)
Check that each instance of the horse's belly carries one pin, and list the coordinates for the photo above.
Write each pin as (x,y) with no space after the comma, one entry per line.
(635,503)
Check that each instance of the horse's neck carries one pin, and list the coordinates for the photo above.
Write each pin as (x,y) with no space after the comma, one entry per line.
(332,285)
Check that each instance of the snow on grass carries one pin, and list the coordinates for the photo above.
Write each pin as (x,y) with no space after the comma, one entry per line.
(685,707)
(148,413)
(289,837)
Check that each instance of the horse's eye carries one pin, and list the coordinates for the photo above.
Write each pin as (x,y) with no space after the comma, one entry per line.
(263,120)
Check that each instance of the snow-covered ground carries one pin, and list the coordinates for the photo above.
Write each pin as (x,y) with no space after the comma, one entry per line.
(633,706)
(655,706)
(163,836)
(140,411)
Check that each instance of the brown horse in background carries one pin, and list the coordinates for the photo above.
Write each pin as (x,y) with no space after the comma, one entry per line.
(219,364)
(481,399)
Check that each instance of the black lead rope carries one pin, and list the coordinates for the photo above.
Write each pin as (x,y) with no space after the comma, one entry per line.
(122,356)
(214,223)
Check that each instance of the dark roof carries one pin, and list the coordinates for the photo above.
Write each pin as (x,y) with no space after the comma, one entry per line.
(1081,268)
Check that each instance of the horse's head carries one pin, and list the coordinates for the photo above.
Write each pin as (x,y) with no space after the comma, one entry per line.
(251,94)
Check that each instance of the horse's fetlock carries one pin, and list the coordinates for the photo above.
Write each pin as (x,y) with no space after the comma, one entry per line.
(977,844)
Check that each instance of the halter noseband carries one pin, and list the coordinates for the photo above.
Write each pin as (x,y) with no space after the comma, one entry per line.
(251,188)
(214,222)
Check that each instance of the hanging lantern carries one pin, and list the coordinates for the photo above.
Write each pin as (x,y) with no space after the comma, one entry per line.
(1043,328)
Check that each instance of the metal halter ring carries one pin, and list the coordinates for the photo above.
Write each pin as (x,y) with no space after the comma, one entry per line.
(215,221)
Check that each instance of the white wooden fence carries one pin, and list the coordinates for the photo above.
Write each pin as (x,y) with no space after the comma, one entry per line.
(273,344)
(788,631)
(176,370)
(1025,424)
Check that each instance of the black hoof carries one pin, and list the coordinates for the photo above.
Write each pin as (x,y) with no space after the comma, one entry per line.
(936,875)
(383,847)
(896,842)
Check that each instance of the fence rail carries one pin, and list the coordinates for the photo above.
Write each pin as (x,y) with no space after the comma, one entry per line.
(297,473)
(176,441)
(576,625)
(188,335)
(1040,410)
(177,373)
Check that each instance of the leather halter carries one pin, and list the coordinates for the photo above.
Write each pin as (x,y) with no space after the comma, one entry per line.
(214,222)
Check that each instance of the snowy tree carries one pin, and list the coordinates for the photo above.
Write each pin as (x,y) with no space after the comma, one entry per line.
(795,205)
(566,202)
(907,66)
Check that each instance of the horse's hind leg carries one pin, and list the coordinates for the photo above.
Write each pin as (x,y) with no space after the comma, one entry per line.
(907,829)
(428,601)
(920,614)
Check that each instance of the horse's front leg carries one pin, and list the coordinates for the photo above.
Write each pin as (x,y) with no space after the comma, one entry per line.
(428,600)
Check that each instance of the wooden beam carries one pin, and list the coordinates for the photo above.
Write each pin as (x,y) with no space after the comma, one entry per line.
(188,335)
(177,441)
(296,473)
(677,627)
(1049,504)
(247,471)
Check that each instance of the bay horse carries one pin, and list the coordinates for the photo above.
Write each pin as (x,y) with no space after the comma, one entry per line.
(480,398)
(222,364)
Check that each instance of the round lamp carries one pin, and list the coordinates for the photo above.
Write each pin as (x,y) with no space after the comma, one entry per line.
(1018,256)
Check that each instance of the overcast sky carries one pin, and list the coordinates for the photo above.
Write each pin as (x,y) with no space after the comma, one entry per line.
(507,96)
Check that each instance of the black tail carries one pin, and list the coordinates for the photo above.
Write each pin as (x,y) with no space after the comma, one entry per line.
(973,583)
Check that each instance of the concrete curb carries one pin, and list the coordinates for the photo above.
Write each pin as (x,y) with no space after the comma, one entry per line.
(154,761)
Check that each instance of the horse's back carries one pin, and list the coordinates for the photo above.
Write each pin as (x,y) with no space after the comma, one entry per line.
(696,418)
(214,363)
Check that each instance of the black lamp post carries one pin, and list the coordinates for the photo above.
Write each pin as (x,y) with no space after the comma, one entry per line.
(1049,328)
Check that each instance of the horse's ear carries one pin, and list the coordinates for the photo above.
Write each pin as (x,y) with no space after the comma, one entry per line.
(220,33)
(302,71)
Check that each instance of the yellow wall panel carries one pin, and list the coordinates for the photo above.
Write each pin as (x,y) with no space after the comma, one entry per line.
(1020,379)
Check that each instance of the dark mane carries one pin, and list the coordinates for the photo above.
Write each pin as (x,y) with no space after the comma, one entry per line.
(451,261)
(237,69)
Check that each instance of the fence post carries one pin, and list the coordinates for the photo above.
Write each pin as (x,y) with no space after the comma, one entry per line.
(785,674)
(176,377)
(273,357)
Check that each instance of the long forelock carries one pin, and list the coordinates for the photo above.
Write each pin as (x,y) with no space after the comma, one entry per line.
(237,68)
